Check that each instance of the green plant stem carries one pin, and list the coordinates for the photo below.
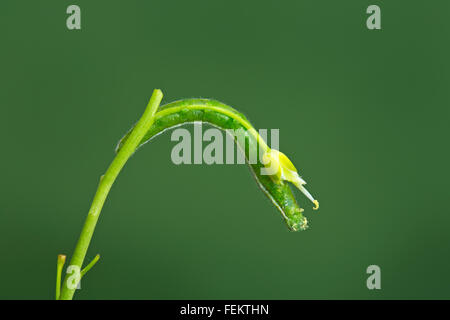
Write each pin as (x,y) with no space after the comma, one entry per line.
(89,266)
(59,267)
(106,182)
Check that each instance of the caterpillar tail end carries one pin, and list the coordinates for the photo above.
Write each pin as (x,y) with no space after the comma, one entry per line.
(304,224)
(297,221)
(316,205)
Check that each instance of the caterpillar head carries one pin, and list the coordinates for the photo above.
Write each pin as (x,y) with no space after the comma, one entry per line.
(278,166)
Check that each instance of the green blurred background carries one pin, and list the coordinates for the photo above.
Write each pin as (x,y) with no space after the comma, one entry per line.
(363,114)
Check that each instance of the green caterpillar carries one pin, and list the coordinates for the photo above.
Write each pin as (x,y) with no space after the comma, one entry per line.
(215,113)
(272,170)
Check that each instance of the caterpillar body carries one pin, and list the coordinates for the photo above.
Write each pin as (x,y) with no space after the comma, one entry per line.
(225,117)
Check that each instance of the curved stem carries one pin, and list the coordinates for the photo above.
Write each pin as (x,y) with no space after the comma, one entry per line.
(106,182)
